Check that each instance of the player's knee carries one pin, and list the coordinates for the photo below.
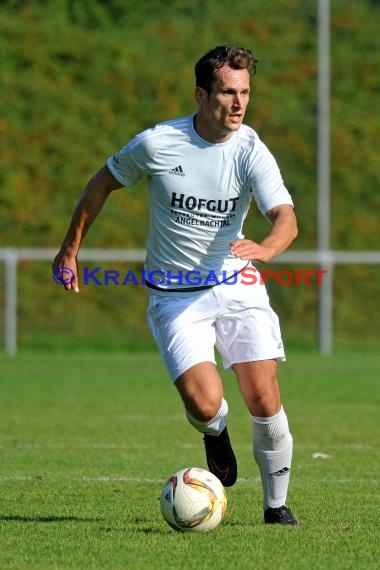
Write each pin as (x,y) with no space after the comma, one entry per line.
(264,404)
(211,417)
(205,411)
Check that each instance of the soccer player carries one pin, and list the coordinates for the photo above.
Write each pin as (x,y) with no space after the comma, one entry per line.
(202,172)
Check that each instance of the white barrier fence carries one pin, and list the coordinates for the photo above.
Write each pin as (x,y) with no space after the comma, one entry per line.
(325,260)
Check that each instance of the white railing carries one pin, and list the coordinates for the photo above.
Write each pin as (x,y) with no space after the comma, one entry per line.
(325,260)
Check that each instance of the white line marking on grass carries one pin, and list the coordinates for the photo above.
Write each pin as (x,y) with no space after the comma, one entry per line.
(130,445)
(189,445)
(111,479)
(16,478)
(90,445)
(340,447)
(114,479)
(107,478)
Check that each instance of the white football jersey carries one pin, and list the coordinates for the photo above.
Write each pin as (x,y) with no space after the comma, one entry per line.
(199,195)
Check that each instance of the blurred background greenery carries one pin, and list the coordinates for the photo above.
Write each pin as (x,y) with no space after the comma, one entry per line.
(80,77)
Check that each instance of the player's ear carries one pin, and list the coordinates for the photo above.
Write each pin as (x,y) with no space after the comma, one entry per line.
(200,95)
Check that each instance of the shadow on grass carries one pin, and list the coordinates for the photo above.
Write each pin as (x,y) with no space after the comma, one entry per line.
(135,527)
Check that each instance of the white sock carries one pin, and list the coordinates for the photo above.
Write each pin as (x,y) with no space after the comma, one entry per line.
(272,449)
(216,425)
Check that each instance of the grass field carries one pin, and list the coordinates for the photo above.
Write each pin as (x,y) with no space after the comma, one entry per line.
(86,442)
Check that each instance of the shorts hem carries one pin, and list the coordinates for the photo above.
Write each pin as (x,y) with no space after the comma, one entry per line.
(278,357)
(183,369)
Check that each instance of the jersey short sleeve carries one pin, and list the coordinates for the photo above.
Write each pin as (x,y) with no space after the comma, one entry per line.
(128,165)
(267,184)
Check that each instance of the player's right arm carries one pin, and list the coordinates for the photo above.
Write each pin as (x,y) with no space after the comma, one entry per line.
(90,204)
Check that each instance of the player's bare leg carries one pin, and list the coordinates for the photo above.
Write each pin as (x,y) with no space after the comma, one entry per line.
(272,441)
(259,386)
(201,390)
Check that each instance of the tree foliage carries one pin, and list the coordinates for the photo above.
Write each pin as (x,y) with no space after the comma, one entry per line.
(80,77)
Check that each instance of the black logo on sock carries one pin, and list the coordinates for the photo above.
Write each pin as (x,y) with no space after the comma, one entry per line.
(280,472)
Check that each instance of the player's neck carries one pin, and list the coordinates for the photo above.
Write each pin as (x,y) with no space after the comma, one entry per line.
(206,132)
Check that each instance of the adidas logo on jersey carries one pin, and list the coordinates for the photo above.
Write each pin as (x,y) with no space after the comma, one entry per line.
(178,171)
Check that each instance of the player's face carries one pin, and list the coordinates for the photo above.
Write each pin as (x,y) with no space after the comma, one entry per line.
(221,112)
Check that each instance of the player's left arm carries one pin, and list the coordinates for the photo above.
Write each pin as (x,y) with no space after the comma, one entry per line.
(282,233)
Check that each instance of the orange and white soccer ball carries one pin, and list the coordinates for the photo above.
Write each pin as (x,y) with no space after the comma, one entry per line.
(193,499)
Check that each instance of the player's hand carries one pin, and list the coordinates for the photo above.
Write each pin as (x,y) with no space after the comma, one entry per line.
(247,249)
(65,271)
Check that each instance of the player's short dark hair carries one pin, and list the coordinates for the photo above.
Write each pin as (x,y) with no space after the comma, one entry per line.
(234,56)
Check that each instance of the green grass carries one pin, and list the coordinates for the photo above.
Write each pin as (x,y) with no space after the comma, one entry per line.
(87,440)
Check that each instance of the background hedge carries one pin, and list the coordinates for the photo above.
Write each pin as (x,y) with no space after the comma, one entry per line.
(80,77)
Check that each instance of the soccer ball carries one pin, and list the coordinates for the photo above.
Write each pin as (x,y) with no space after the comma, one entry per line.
(193,499)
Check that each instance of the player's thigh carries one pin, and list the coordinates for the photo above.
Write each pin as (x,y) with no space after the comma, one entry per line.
(184,330)
(259,386)
(201,389)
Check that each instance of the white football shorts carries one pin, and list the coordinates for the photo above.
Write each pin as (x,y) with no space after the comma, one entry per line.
(236,319)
